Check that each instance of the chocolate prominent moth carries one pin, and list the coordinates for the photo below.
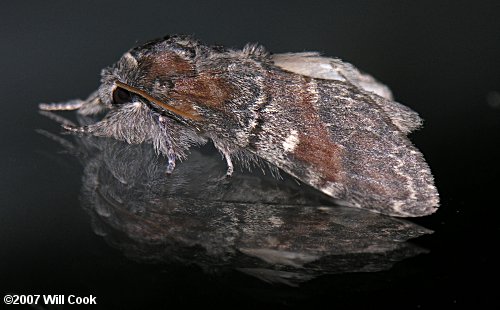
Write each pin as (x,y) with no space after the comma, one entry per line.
(318,119)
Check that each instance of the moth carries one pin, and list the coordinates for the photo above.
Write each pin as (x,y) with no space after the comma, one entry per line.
(316,118)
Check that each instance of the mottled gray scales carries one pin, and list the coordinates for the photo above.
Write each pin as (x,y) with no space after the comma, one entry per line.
(317,118)
(382,167)
(313,65)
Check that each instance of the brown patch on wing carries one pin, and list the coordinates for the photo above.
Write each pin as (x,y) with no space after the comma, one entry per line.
(207,88)
(315,145)
(167,64)
(321,153)
(189,87)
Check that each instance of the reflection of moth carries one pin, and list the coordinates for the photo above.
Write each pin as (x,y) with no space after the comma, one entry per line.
(316,118)
(249,222)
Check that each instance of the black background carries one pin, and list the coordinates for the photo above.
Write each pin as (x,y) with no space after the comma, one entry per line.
(440,58)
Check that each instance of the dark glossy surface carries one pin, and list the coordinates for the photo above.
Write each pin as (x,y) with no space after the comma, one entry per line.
(63,232)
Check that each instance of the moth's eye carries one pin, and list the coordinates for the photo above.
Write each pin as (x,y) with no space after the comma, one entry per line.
(121,96)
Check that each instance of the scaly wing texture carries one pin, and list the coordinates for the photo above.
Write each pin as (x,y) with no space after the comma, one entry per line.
(341,140)
(313,65)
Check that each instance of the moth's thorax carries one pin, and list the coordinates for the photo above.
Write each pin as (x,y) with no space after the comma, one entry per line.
(221,88)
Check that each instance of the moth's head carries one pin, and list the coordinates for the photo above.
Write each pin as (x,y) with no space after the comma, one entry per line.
(148,73)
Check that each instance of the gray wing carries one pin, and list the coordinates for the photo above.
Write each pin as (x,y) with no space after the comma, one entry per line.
(313,65)
(381,167)
(341,140)
(316,66)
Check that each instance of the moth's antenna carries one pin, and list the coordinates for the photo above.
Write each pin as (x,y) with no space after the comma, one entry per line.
(150,98)
(65,106)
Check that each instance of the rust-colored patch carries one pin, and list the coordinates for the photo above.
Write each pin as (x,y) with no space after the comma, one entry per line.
(207,88)
(321,153)
(315,146)
(181,109)
(189,87)
(167,64)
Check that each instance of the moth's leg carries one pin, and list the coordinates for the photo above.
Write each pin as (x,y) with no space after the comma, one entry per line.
(76,129)
(171,161)
(226,152)
(230,167)
(103,128)
(171,157)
